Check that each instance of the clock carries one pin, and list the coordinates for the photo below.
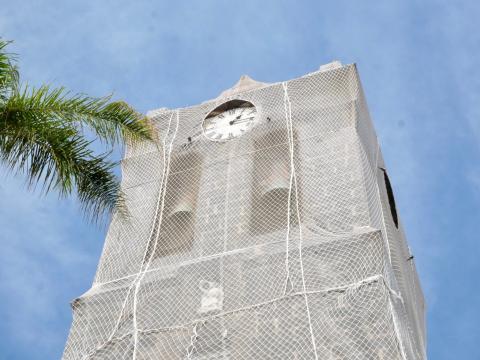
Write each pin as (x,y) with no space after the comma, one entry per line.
(230,120)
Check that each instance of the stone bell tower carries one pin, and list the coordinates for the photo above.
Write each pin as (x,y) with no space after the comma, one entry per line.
(263,226)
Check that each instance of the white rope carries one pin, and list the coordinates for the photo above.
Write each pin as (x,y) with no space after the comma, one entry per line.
(137,275)
(159,209)
(294,178)
(288,280)
(193,339)
(161,204)
(152,253)
(122,310)
(225,232)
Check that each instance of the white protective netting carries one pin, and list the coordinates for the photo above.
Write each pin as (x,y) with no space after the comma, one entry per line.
(278,244)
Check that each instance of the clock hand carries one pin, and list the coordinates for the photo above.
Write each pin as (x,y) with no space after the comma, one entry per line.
(241,112)
(237,121)
(231,122)
(236,118)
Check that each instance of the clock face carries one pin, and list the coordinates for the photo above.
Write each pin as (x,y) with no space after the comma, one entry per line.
(229,120)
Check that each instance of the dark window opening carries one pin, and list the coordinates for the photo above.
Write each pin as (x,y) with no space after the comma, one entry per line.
(391,199)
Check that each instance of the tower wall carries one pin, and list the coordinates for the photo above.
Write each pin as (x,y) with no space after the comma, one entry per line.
(278,244)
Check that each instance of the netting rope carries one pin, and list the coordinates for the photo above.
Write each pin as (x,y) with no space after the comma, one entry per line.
(293,182)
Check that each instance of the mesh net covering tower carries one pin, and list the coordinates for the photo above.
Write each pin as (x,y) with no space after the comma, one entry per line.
(282,243)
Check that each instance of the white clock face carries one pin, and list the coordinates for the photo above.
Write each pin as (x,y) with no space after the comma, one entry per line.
(228,124)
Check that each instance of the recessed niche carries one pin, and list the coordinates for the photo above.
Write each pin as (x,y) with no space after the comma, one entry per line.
(177,225)
(271,184)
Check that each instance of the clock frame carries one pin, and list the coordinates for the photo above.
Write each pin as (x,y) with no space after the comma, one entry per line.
(230,120)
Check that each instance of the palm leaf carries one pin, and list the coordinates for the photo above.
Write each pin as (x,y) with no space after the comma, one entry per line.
(8,71)
(112,122)
(53,153)
(42,136)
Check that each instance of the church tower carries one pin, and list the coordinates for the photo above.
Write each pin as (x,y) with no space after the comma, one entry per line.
(262,226)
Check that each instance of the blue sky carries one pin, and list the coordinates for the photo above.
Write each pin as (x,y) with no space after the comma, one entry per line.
(418,61)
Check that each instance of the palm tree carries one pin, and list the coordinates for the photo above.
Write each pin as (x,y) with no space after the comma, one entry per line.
(42,136)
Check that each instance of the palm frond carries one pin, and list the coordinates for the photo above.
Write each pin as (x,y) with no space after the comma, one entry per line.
(8,71)
(42,136)
(112,122)
(53,153)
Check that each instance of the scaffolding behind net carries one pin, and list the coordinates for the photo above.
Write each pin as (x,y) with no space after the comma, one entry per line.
(282,243)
